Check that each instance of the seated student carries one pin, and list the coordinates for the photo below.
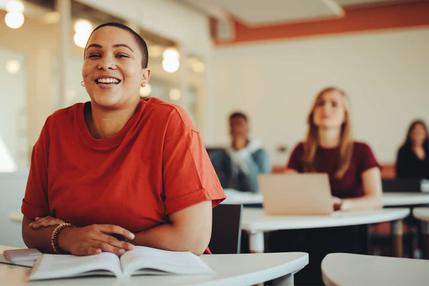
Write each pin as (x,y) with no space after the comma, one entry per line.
(413,157)
(119,167)
(354,177)
(353,171)
(239,165)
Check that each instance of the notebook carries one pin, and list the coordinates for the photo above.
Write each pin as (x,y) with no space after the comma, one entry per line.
(139,261)
(296,194)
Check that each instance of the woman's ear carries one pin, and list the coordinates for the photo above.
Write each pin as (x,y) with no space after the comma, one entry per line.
(146,77)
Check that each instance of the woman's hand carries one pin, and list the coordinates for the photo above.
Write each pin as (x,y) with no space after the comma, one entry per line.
(45,221)
(94,239)
(337,202)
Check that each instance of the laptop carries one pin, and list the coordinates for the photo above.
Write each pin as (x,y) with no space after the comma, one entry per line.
(296,194)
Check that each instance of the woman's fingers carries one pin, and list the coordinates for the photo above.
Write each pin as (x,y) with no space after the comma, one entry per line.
(90,239)
(93,239)
(92,251)
(115,242)
(107,247)
(115,229)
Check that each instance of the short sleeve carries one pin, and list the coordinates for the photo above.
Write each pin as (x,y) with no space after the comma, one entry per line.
(35,201)
(188,175)
(296,158)
(366,157)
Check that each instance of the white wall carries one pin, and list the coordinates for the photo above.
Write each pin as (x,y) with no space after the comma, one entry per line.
(13,118)
(386,74)
(12,189)
(36,44)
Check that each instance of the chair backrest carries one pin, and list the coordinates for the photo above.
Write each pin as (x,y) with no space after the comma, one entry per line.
(226,229)
(402,185)
(221,163)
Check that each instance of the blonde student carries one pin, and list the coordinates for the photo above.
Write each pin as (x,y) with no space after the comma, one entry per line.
(354,173)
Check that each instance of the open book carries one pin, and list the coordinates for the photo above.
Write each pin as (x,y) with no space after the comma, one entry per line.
(141,260)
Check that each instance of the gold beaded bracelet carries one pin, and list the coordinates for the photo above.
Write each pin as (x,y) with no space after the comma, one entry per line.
(54,237)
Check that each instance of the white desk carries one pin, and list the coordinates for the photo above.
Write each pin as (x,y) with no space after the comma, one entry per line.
(355,269)
(422,214)
(389,199)
(244,198)
(256,222)
(231,269)
(405,199)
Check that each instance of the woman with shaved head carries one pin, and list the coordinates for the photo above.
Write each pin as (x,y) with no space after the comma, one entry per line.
(119,170)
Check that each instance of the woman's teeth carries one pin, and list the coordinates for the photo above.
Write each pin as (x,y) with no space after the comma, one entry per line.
(108,80)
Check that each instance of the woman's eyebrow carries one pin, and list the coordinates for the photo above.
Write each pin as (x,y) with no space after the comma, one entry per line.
(94,46)
(123,45)
(98,46)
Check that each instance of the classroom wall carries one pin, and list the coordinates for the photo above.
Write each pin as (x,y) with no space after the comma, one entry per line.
(12,189)
(384,72)
(29,103)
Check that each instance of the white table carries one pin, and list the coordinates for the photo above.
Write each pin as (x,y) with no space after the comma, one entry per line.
(422,214)
(389,199)
(355,269)
(244,198)
(405,199)
(256,222)
(231,269)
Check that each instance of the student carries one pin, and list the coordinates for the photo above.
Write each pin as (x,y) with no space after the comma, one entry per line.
(239,165)
(412,160)
(119,167)
(354,177)
(353,171)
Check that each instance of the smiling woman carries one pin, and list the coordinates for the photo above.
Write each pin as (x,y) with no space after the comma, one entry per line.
(119,164)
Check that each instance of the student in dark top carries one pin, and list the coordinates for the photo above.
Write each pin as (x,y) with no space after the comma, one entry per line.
(239,165)
(353,170)
(413,156)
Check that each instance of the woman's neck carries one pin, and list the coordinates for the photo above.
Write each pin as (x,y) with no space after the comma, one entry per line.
(105,123)
(419,151)
(329,137)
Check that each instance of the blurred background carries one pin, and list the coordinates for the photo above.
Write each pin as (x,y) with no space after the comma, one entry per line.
(267,58)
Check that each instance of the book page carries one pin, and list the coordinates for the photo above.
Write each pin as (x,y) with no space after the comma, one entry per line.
(141,258)
(50,266)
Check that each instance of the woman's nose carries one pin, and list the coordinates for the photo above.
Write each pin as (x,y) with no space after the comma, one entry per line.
(106,65)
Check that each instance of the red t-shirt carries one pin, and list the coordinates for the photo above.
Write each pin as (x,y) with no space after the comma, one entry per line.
(326,160)
(154,166)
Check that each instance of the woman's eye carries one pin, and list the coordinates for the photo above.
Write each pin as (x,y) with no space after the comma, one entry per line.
(94,56)
(122,56)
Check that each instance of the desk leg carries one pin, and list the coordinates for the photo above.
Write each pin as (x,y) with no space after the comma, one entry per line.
(286,280)
(397,233)
(256,242)
(425,239)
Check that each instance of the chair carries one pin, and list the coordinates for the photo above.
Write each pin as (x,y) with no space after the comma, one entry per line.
(226,229)
(401,185)
(221,163)
(357,269)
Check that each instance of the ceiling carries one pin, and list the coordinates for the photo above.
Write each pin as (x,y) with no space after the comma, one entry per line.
(271,12)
